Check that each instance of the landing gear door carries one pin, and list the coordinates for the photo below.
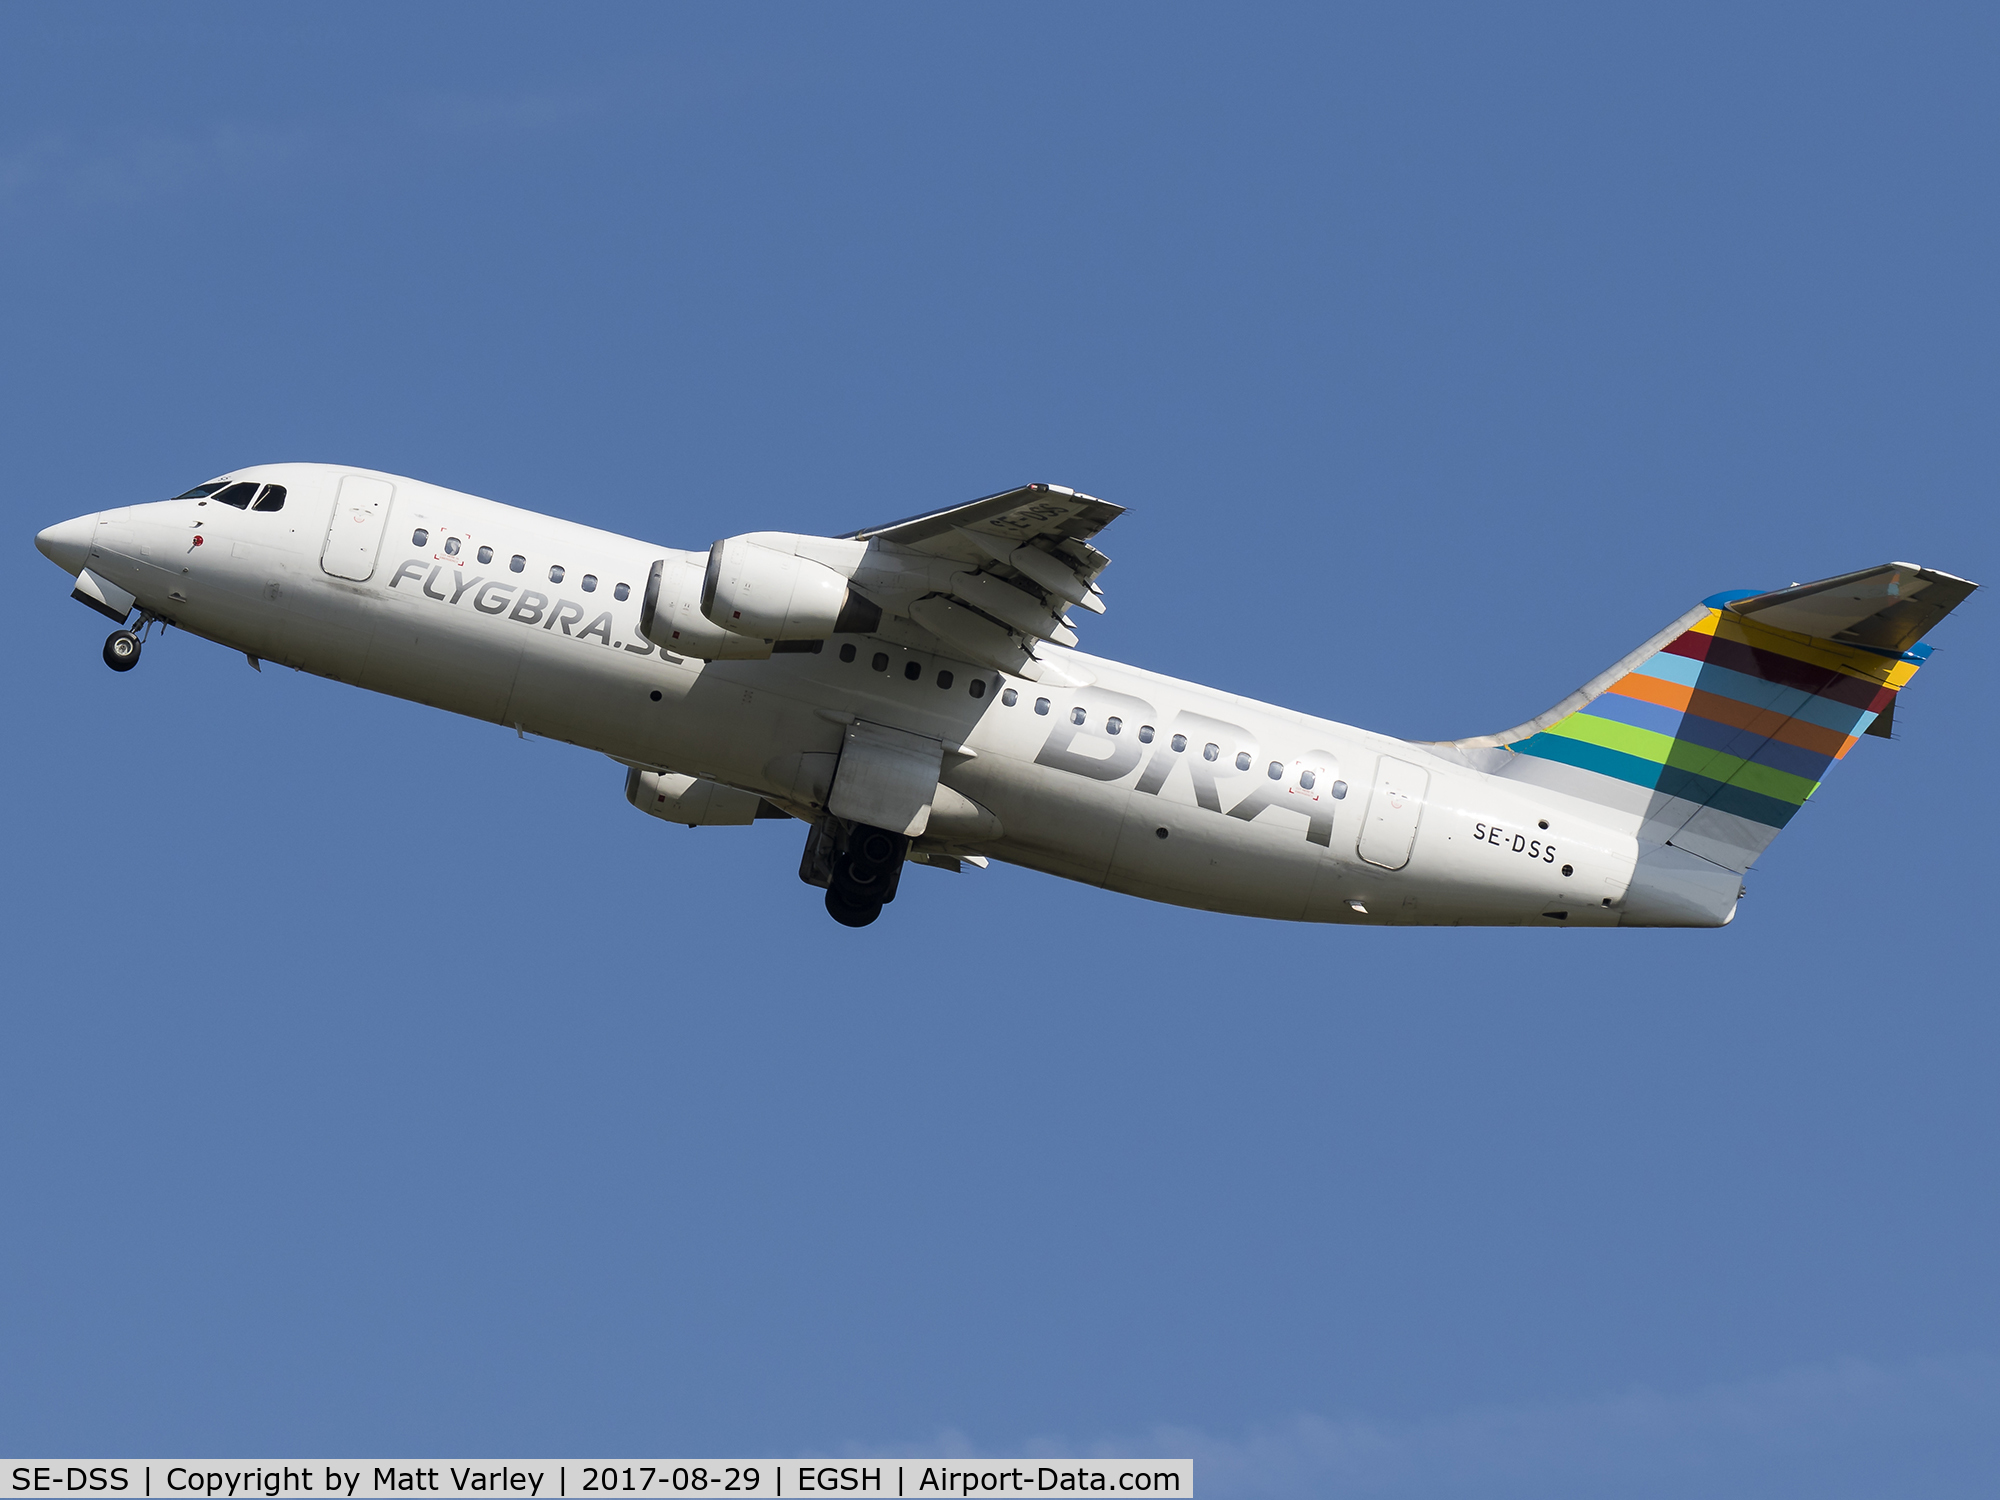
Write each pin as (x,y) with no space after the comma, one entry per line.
(887,778)
(354,536)
(1389,828)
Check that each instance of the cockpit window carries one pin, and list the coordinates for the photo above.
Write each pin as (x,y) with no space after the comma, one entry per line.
(202,491)
(273,498)
(238,495)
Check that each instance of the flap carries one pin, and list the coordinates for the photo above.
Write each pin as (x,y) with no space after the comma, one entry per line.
(887,778)
(1886,608)
(1025,558)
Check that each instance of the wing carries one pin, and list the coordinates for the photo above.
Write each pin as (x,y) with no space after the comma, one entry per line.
(1000,573)
(1019,515)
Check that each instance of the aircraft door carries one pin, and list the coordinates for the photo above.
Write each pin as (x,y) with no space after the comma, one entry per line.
(354,536)
(1389,828)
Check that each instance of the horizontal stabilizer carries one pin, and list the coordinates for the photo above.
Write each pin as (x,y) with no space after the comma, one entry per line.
(1887,608)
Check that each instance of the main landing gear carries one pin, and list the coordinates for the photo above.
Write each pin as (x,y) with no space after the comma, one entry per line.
(860,873)
(121,651)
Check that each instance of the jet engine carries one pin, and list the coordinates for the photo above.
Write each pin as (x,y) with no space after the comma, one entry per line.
(754,591)
(694,800)
(753,588)
(671,617)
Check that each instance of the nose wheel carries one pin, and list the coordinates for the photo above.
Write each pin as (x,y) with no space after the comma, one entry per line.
(121,651)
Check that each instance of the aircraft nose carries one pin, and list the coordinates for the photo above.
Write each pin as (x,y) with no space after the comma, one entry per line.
(67,544)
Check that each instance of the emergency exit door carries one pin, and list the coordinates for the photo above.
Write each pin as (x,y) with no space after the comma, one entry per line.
(354,536)
(1389,828)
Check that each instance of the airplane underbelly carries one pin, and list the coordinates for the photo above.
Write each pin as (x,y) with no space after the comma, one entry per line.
(1176,851)
(732,725)
(448,661)
(1061,825)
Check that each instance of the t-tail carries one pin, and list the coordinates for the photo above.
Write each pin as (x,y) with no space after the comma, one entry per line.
(1713,734)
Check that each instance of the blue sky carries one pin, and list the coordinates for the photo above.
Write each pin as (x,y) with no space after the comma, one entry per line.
(378,1083)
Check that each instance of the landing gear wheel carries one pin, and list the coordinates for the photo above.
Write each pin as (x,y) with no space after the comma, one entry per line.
(866,874)
(121,651)
(850,914)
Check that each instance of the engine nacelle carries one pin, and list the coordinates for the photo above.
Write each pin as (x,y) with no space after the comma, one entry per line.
(671,616)
(759,586)
(693,800)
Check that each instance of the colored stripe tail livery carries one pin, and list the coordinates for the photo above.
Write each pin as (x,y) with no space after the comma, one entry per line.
(1717,730)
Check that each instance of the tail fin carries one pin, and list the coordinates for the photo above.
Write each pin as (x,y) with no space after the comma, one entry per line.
(1714,732)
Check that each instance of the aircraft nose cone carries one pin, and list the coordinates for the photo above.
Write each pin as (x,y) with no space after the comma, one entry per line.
(67,544)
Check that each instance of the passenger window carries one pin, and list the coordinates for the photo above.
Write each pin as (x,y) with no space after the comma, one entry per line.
(202,491)
(1010,697)
(1338,790)
(1180,743)
(517,563)
(590,583)
(1114,726)
(451,546)
(622,592)
(1306,779)
(1210,752)
(1242,760)
(420,538)
(486,554)
(879,661)
(1277,772)
(273,498)
(944,679)
(238,495)
(978,688)
(846,652)
(1145,734)
(1076,716)
(1041,705)
(912,671)
(555,573)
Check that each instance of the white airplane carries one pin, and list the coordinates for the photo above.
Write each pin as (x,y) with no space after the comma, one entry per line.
(913,693)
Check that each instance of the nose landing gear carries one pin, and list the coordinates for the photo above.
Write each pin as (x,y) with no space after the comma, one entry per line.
(121,651)
(121,648)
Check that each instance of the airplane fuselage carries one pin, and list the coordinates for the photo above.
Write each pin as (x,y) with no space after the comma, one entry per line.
(1138,782)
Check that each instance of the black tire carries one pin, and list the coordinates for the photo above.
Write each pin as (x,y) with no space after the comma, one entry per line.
(121,651)
(865,875)
(875,847)
(859,881)
(851,914)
